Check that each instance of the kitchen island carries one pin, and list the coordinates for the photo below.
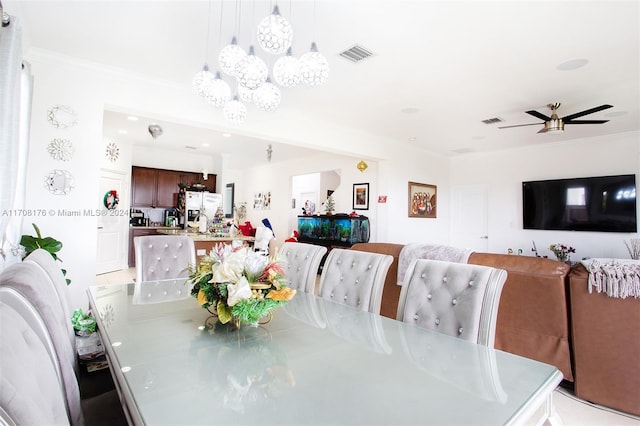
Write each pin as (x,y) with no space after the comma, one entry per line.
(205,242)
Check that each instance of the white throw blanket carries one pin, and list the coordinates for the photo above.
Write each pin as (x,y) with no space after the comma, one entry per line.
(429,251)
(619,278)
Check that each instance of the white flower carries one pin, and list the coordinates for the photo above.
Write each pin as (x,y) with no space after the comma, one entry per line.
(238,291)
(256,263)
(231,267)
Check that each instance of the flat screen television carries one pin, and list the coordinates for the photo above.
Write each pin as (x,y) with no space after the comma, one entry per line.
(598,204)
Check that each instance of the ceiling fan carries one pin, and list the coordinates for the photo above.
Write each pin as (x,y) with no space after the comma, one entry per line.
(556,124)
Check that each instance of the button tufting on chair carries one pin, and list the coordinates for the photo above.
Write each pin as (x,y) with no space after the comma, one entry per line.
(302,262)
(356,277)
(172,254)
(465,298)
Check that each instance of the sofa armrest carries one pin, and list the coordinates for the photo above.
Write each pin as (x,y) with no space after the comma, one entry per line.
(533,318)
(606,345)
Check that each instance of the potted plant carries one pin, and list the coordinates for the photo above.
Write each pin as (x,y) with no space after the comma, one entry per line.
(53,246)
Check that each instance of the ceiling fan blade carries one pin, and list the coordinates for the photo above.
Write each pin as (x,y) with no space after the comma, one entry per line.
(585,121)
(521,125)
(539,115)
(586,112)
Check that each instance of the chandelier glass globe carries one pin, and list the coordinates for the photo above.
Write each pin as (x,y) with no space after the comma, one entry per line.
(229,57)
(251,71)
(235,111)
(287,70)
(268,96)
(203,80)
(247,95)
(219,92)
(275,34)
(315,67)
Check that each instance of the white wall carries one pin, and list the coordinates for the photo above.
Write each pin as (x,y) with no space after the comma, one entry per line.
(503,173)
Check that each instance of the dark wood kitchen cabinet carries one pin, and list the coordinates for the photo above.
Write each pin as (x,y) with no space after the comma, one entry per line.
(159,187)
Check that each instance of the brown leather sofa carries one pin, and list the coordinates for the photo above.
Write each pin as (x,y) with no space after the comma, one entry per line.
(533,320)
(606,345)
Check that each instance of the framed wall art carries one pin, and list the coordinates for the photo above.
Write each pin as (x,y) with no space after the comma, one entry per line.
(422,200)
(361,196)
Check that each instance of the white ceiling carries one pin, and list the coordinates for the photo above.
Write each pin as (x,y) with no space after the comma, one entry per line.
(454,63)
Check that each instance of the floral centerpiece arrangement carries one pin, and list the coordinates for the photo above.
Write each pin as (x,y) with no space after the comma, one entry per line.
(239,284)
(562,252)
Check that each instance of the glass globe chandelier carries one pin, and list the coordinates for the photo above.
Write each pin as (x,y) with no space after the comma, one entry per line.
(286,70)
(235,111)
(247,95)
(275,34)
(314,67)
(203,81)
(268,96)
(218,93)
(229,57)
(251,71)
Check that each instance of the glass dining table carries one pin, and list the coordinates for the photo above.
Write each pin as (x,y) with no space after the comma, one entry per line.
(315,363)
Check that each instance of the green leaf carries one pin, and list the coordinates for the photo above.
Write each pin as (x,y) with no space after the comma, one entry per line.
(224,312)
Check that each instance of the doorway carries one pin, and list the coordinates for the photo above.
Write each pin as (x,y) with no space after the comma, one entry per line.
(113,223)
(469,217)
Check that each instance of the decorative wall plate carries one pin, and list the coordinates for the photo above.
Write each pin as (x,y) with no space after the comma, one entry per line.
(59,182)
(112,152)
(62,116)
(61,149)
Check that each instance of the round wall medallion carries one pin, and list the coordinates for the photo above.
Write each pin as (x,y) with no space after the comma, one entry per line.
(59,182)
(112,151)
(61,149)
(62,116)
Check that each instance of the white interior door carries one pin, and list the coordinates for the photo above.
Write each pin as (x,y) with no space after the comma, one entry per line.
(469,217)
(113,225)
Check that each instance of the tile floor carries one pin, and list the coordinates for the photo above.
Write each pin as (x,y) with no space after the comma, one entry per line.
(572,410)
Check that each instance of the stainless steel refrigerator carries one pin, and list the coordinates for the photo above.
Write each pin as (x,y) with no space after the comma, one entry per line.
(197,202)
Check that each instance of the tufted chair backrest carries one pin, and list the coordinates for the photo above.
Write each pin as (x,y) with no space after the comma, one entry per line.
(160,257)
(51,267)
(302,263)
(32,391)
(457,299)
(31,282)
(354,278)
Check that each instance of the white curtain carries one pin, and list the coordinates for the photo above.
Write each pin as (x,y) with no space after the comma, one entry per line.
(16,86)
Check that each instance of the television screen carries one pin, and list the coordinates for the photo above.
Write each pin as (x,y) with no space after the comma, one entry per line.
(600,204)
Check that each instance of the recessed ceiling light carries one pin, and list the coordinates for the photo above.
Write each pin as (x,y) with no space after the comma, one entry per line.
(412,139)
(132,118)
(205,144)
(410,110)
(226,135)
(572,64)
(123,132)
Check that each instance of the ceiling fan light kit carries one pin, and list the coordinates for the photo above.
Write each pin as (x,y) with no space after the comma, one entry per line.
(555,124)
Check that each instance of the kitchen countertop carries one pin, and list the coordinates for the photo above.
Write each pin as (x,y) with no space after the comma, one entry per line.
(197,236)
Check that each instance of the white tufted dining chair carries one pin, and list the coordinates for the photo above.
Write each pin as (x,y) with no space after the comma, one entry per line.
(31,384)
(32,283)
(160,257)
(457,299)
(354,278)
(302,263)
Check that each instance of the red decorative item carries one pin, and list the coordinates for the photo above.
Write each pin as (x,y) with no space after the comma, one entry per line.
(247,230)
(293,238)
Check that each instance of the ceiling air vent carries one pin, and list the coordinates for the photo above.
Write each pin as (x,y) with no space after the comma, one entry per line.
(492,120)
(356,53)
